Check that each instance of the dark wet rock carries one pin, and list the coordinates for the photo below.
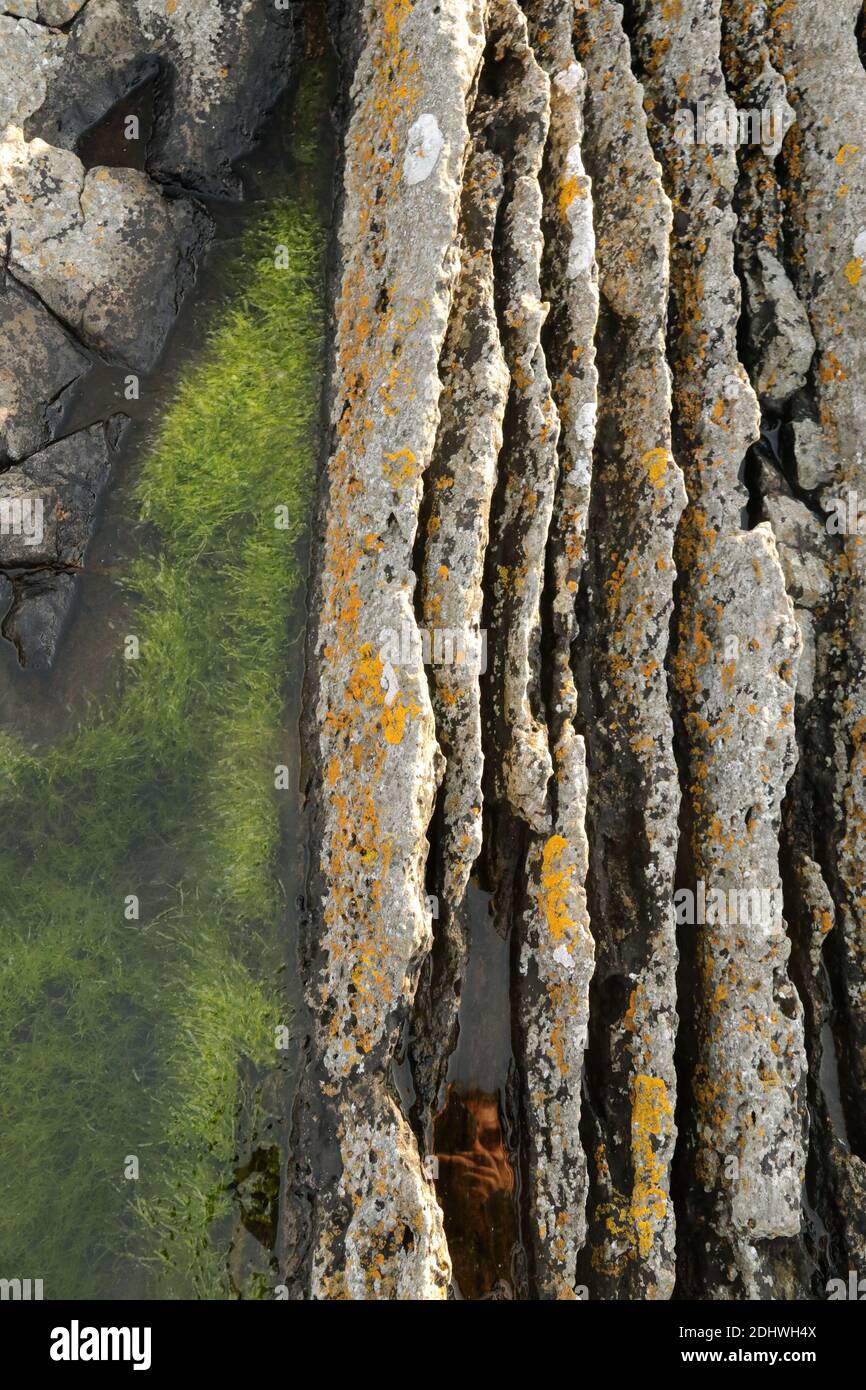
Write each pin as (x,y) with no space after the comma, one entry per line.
(68,477)
(48,506)
(7,591)
(220,67)
(105,58)
(38,617)
(227,65)
(103,249)
(39,362)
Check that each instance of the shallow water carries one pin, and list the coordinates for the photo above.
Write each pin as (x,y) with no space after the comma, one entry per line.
(150,868)
(90,663)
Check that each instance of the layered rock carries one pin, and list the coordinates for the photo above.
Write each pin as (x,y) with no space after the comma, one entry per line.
(734,667)
(587,606)
(625,610)
(379,1232)
(554,937)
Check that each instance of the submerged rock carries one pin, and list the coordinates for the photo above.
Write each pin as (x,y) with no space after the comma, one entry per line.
(39,362)
(48,506)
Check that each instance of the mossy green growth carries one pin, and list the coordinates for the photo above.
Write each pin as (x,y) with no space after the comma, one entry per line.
(127,1038)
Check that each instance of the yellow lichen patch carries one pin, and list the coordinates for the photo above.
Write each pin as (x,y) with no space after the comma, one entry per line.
(399,467)
(831,368)
(854,270)
(657,462)
(633,1222)
(394,719)
(555,879)
(570,190)
(651,1120)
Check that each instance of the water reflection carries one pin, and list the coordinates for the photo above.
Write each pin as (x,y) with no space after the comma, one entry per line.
(476,1191)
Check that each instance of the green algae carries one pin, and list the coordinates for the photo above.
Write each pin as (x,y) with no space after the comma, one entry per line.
(122,1039)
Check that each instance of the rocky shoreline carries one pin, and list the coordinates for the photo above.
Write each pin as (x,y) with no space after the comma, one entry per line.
(97,261)
(587,631)
(597,387)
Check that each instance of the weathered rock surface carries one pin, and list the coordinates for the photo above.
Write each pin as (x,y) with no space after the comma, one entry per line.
(39,362)
(53,12)
(589,633)
(28,54)
(378,1233)
(816,49)
(732,645)
(221,67)
(625,611)
(673,630)
(97,246)
(47,508)
(69,477)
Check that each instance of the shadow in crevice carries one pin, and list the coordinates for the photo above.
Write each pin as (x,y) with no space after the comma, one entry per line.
(120,139)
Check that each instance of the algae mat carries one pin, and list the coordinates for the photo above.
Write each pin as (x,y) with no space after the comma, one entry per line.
(141,909)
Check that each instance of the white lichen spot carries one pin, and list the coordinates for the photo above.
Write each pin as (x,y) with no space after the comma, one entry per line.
(423,149)
(860,244)
(563,957)
(568,80)
(584,433)
(584,426)
(581,252)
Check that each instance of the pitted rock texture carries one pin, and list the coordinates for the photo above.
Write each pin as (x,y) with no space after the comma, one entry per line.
(221,63)
(28,54)
(376,733)
(93,243)
(627,448)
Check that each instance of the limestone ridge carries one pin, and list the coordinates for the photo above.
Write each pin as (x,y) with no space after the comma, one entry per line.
(597,383)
